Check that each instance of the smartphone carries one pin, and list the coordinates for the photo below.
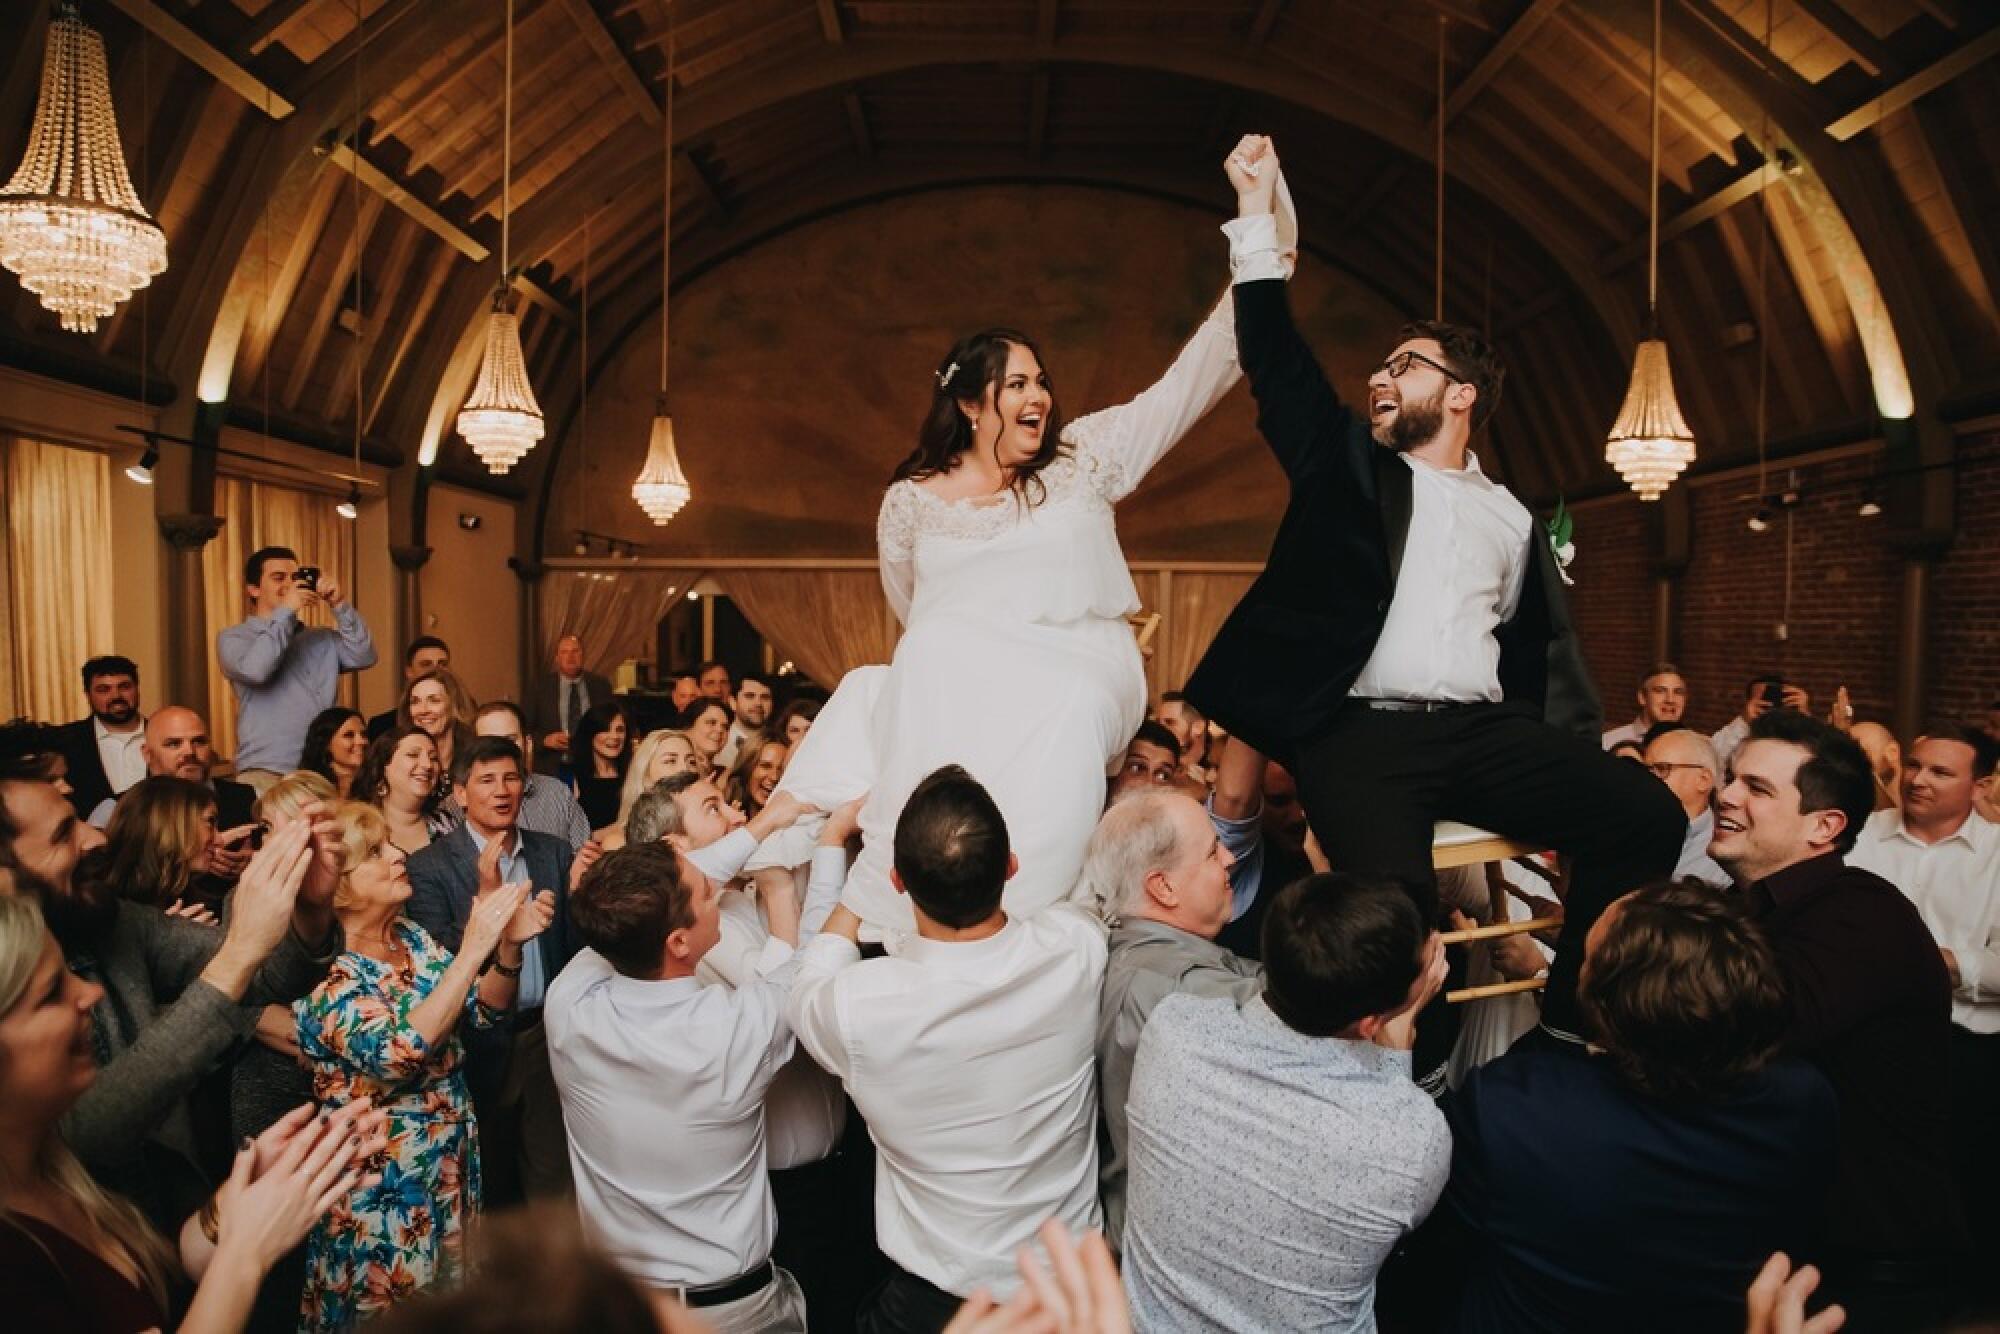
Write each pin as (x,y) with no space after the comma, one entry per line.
(307,577)
(1774,693)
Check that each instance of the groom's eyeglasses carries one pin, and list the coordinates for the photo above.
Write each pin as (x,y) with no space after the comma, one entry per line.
(1400,363)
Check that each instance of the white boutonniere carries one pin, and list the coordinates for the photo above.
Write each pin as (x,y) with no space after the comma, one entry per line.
(1561,546)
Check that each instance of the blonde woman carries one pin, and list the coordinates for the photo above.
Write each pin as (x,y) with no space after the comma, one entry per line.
(75,1256)
(384,1025)
(661,754)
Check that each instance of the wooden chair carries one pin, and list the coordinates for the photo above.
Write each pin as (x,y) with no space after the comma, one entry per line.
(1456,844)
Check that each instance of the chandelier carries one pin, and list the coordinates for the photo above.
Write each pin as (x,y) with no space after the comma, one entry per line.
(71,225)
(1650,443)
(502,421)
(661,488)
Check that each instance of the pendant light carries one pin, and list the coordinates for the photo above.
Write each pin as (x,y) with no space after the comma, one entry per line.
(71,224)
(501,420)
(1650,444)
(661,488)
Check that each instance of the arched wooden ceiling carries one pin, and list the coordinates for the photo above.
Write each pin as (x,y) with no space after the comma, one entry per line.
(240,119)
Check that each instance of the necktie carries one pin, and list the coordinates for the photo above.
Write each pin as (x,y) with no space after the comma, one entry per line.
(573,712)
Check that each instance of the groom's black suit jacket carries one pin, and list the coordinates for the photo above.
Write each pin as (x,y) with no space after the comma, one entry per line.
(1288,654)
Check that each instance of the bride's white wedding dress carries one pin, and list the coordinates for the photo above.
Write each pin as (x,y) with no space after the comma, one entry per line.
(1016,660)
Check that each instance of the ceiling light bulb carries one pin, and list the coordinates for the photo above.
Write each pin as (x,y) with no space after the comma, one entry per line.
(1760,522)
(350,508)
(1870,508)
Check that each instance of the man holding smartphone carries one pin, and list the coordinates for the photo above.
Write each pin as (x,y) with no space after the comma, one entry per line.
(1763,694)
(285,673)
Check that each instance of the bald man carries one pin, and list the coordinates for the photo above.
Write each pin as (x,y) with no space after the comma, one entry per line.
(1885,759)
(176,745)
(1685,761)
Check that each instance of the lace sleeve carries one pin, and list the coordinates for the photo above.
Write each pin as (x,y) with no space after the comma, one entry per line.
(1117,447)
(896,546)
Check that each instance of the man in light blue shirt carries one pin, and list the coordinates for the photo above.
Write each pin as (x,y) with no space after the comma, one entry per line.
(284,672)
(1278,1148)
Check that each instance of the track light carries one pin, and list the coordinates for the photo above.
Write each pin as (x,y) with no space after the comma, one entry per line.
(1760,522)
(142,471)
(350,507)
(1870,508)
(582,547)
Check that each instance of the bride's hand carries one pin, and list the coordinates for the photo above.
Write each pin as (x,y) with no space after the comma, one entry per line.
(1252,167)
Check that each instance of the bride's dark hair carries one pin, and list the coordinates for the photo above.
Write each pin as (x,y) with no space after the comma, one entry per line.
(974,363)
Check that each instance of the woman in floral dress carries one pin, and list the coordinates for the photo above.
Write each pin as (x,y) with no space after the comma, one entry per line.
(382,1024)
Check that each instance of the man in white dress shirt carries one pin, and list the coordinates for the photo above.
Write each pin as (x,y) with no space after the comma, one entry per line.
(1663,698)
(1945,857)
(1407,652)
(663,1083)
(103,750)
(970,1051)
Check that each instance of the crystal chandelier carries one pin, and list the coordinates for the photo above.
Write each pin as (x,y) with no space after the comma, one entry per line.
(71,225)
(502,421)
(661,488)
(1650,443)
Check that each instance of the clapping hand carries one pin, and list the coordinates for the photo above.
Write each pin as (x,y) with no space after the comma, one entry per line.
(1777,1301)
(268,889)
(265,1210)
(530,919)
(192,912)
(1083,1296)
(586,857)
(323,870)
(492,913)
(489,866)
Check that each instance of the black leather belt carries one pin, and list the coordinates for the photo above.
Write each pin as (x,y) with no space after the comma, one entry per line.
(1416,705)
(734,1290)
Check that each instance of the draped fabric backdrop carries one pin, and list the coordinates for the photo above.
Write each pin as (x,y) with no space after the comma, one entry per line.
(263,514)
(828,622)
(616,618)
(1195,609)
(55,573)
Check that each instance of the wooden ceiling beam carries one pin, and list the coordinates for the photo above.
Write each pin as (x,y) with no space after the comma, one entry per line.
(333,62)
(1787,367)
(1629,72)
(331,298)
(612,56)
(408,327)
(705,185)
(558,143)
(1261,24)
(1967,56)
(829,21)
(270,25)
(857,124)
(193,47)
(1869,51)
(276,292)
(386,288)
(1517,35)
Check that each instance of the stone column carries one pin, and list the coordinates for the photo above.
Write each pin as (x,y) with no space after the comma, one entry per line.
(187,597)
(410,561)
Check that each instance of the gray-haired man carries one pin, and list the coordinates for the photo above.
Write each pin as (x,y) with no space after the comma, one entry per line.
(1159,876)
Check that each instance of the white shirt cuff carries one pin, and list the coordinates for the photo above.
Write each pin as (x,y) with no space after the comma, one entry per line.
(1253,249)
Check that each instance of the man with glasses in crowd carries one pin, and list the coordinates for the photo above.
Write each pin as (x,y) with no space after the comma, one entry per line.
(1684,760)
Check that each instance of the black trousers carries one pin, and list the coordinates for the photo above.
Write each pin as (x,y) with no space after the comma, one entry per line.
(1375,782)
(1975,1094)
(906,1304)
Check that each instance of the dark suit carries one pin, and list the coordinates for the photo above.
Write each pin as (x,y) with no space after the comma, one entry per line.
(514,1093)
(544,710)
(1373,783)
(233,803)
(89,787)
(381,724)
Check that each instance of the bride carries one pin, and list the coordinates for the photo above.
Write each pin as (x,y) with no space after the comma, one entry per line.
(1000,557)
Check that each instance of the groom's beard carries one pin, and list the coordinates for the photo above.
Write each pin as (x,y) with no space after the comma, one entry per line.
(1416,423)
(81,917)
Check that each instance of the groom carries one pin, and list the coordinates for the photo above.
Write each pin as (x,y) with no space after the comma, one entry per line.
(1406,652)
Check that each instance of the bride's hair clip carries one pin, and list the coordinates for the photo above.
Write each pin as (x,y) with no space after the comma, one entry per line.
(943,377)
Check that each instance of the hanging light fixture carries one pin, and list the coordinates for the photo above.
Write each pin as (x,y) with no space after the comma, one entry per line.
(71,224)
(1650,443)
(661,488)
(142,471)
(501,420)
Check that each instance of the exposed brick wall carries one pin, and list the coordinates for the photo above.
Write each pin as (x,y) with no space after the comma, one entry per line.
(1846,591)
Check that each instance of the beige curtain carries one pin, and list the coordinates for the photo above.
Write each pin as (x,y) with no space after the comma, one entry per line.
(259,514)
(616,618)
(1194,608)
(56,581)
(826,621)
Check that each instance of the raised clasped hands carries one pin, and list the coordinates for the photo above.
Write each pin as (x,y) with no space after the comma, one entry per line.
(492,913)
(1252,167)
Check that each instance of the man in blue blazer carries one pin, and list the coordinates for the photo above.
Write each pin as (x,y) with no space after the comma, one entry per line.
(520,1115)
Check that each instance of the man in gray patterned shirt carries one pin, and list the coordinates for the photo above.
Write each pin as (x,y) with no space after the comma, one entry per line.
(1278,1147)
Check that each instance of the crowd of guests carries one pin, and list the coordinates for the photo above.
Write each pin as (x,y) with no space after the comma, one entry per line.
(270,1045)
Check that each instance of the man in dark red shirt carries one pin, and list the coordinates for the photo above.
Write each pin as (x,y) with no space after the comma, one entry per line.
(1871,1007)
